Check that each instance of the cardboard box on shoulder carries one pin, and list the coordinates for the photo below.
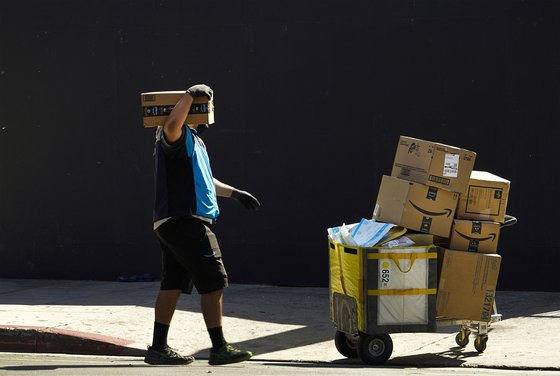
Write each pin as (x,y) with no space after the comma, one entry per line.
(485,199)
(467,284)
(431,163)
(415,206)
(157,105)
(475,236)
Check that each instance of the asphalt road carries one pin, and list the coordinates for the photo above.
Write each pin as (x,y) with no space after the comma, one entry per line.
(66,365)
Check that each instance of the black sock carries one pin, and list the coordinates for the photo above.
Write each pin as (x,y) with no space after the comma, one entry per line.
(160,336)
(217,337)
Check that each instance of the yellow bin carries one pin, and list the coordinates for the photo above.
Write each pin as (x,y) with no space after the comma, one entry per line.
(383,290)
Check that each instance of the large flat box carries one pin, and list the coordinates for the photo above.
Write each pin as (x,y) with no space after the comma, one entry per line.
(467,285)
(475,236)
(157,105)
(485,199)
(415,206)
(431,163)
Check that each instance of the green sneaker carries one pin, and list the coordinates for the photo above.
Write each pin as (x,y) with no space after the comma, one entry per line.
(228,354)
(167,356)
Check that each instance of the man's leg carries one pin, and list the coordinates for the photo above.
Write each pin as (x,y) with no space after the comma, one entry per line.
(211,304)
(221,352)
(174,281)
(160,352)
(165,305)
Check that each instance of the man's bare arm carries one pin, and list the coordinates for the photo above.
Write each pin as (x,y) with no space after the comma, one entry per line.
(244,198)
(223,190)
(174,123)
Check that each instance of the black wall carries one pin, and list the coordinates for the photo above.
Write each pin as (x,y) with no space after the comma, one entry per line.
(311,97)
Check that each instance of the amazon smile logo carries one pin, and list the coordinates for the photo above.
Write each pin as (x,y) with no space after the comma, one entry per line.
(470,239)
(447,212)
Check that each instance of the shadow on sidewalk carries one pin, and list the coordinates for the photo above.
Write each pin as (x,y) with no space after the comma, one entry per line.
(453,357)
(449,358)
(282,341)
(513,304)
(39,368)
(307,307)
(282,305)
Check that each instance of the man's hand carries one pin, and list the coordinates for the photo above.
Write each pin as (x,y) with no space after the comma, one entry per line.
(200,90)
(246,199)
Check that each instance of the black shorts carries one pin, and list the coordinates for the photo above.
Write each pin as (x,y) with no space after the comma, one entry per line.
(190,255)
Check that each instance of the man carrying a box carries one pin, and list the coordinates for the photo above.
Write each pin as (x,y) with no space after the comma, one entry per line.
(185,209)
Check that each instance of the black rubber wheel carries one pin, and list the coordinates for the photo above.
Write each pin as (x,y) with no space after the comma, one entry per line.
(375,348)
(480,343)
(345,345)
(462,338)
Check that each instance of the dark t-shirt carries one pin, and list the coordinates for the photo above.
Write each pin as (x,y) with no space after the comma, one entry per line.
(184,186)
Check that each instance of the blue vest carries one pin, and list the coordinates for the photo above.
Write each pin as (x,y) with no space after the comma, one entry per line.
(184,185)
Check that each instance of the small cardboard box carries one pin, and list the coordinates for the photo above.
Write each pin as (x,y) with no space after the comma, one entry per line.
(467,285)
(157,105)
(433,164)
(415,206)
(485,199)
(475,236)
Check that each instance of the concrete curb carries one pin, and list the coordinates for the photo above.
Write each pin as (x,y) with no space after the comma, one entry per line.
(36,339)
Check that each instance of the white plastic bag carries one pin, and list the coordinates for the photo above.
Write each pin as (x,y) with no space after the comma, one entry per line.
(342,234)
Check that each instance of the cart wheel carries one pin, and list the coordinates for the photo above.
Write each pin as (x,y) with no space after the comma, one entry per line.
(480,343)
(375,349)
(345,345)
(462,338)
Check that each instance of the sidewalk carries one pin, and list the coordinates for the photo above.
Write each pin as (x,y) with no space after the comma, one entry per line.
(276,323)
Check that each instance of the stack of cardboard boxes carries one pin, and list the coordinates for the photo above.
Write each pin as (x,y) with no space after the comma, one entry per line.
(433,189)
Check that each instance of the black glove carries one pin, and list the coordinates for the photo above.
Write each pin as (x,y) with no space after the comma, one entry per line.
(246,199)
(200,90)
